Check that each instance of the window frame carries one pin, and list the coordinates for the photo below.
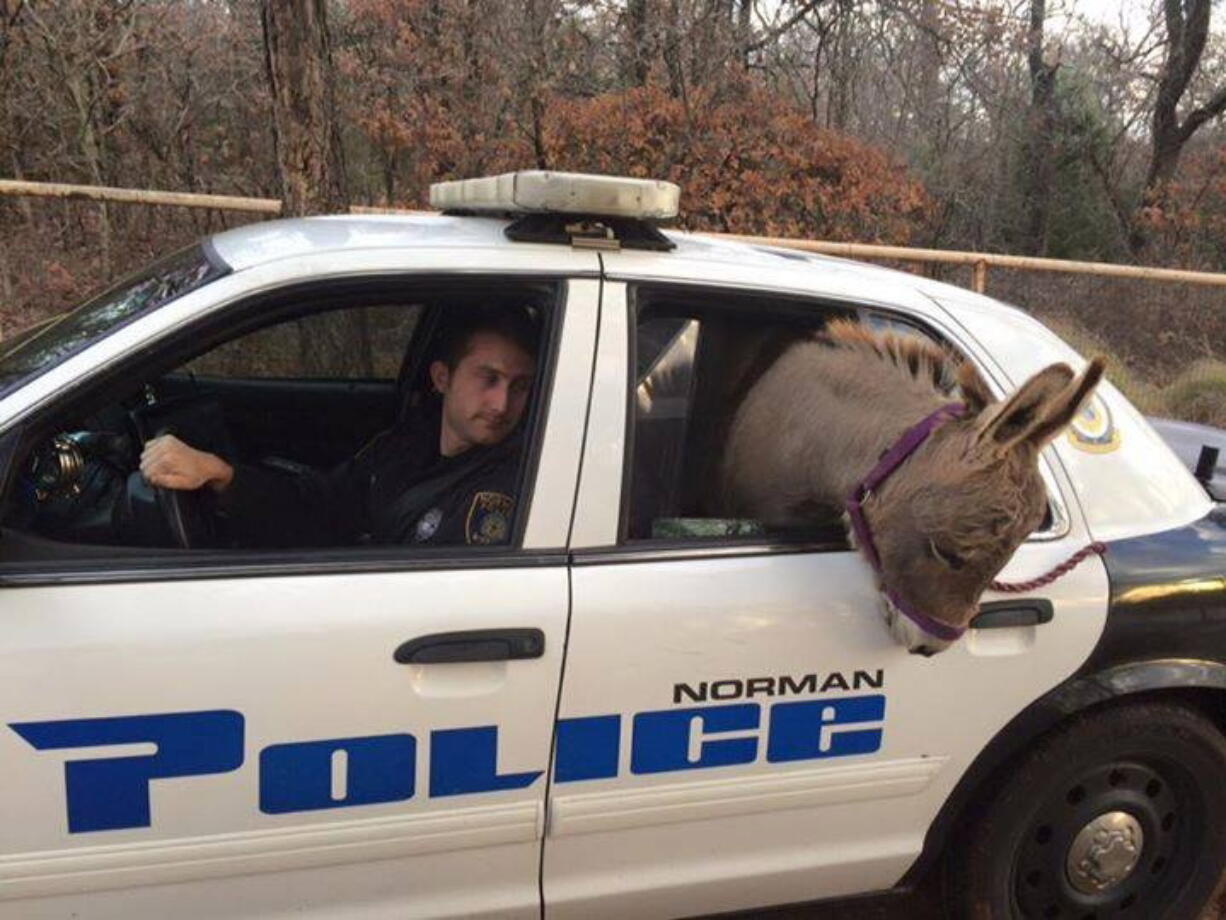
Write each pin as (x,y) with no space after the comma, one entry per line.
(247,314)
(641,295)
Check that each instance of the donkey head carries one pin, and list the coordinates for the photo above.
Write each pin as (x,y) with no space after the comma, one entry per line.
(946,522)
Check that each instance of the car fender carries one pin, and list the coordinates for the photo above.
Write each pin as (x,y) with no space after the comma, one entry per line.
(1165,632)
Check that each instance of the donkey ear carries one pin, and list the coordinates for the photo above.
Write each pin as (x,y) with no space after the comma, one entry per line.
(1041,408)
(1061,412)
(1006,424)
(975,392)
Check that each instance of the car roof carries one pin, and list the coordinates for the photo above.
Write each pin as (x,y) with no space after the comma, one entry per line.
(262,242)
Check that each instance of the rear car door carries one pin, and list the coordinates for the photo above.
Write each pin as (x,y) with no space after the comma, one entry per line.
(204,734)
(737,728)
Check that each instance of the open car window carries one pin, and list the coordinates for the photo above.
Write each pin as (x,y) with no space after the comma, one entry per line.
(692,365)
(694,361)
(295,391)
(363,343)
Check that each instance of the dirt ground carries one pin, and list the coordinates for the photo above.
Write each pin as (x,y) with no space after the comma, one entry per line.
(919,906)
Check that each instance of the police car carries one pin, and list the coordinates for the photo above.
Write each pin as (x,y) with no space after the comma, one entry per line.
(626,710)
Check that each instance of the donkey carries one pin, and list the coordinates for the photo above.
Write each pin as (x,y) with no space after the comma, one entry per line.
(814,424)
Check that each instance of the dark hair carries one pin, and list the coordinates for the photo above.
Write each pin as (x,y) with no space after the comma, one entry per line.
(513,323)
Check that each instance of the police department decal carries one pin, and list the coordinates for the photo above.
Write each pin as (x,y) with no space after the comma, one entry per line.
(1093,429)
(489,518)
(812,717)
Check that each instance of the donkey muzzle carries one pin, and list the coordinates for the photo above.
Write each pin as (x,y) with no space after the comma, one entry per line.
(909,634)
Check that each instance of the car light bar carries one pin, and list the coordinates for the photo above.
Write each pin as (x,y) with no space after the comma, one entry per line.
(539,191)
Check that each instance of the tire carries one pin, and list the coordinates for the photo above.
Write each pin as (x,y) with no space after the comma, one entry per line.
(1154,767)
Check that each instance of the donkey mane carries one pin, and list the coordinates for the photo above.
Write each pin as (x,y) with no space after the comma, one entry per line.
(918,357)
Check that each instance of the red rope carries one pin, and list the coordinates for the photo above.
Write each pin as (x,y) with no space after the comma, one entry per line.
(1017,587)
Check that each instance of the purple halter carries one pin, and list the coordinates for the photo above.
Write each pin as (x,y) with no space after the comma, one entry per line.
(903,448)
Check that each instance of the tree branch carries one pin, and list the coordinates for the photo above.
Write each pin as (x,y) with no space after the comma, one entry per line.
(1198,116)
(783,27)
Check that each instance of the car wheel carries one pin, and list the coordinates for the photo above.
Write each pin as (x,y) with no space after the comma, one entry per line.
(1120,813)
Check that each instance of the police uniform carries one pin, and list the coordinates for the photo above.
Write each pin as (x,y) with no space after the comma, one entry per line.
(397,489)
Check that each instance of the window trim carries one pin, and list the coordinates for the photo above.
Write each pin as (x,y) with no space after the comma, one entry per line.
(702,297)
(224,564)
(131,564)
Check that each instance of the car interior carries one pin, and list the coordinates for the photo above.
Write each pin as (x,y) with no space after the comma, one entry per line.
(298,379)
(696,357)
(694,363)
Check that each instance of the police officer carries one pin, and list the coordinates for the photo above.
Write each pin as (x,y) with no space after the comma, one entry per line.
(446,474)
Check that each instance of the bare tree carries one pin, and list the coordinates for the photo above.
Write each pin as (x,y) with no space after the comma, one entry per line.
(1187,28)
(638,52)
(1039,148)
(298,55)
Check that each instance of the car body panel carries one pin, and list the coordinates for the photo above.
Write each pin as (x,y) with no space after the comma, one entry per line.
(301,659)
(645,620)
(287,656)
(608,824)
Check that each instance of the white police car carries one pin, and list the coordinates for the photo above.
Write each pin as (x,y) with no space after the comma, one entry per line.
(623,712)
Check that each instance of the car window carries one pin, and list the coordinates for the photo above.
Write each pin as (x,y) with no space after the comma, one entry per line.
(693,362)
(691,367)
(65,336)
(353,421)
(362,343)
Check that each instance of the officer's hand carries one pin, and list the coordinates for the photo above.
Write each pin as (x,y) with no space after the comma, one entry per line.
(169,463)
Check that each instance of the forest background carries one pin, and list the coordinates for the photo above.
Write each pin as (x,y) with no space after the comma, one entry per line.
(1019,127)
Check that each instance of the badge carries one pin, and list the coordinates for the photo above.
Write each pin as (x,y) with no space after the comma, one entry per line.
(427,524)
(1093,429)
(489,518)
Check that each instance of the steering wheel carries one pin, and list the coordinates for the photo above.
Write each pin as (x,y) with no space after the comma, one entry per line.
(184,513)
(189,524)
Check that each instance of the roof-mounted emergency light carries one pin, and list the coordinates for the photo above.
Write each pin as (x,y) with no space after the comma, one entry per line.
(589,212)
(539,191)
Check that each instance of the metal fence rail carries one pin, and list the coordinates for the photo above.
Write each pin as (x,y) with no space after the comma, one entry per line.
(979,262)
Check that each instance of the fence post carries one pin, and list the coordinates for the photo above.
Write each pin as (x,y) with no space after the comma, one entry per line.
(979,277)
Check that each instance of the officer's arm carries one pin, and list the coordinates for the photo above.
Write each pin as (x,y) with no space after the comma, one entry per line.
(263,507)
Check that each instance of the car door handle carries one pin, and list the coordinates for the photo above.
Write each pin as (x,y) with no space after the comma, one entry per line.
(1030,611)
(472,645)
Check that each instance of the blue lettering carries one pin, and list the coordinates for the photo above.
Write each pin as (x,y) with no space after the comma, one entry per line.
(298,777)
(464,760)
(662,738)
(588,748)
(807,730)
(111,793)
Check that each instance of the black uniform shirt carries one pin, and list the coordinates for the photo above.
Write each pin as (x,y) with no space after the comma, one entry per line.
(397,489)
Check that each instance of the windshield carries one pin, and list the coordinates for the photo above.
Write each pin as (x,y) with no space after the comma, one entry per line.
(36,351)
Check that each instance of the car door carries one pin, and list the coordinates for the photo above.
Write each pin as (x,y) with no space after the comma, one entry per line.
(309,733)
(737,727)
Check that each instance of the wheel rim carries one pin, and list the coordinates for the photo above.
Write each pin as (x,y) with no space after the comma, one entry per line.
(1118,840)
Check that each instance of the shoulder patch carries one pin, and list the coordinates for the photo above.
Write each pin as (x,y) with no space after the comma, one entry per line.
(489,518)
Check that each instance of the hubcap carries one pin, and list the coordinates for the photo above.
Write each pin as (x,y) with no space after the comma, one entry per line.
(1119,836)
(1105,852)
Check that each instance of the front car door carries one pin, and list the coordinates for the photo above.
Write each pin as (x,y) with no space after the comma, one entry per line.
(230,735)
(737,727)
